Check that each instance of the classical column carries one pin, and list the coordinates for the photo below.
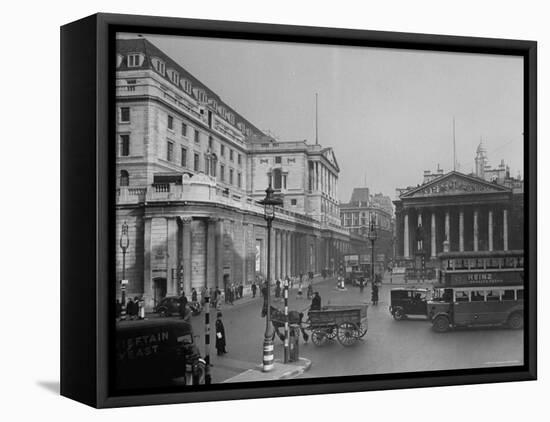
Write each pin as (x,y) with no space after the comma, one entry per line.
(172,264)
(505,229)
(283,254)
(220,243)
(210,252)
(476,230)
(490,227)
(147,274)
(245,254)
(433,234)
(406,236)
(461,231)
(448,228)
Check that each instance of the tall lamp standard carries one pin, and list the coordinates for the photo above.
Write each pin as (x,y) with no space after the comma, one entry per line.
(124,243)
(269,203)
(372,237)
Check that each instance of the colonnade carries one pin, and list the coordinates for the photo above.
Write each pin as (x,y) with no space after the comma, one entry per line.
(455,233)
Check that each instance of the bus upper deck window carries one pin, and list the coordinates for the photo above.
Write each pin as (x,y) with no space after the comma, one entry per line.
(477,297)
(519,293)
(508,295)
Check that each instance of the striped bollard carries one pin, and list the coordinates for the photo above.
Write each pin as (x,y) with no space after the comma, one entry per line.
(207,377)
(268,359)
(286,322)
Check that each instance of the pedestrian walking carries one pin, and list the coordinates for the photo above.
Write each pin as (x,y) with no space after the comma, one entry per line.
(241,289)
(299,295)
(220,335)
(309,291)
(130,309)
(254,287)
(315,302)
(278,290)
(194,295)
(374,294)
(231,294)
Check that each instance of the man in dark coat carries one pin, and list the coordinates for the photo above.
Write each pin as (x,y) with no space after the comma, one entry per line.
(220,335)
(241,288)
(374,294)
(194,295)
(316,302)
(254,287)
(130,309)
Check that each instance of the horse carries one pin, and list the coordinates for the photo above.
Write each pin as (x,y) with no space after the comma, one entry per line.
(278,321)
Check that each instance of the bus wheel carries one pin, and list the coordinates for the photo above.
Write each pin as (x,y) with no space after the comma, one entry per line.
(515,322)
(441,324)
(399,315)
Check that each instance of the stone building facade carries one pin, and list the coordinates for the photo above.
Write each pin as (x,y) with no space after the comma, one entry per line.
(458,212)
(190,170)
(357,214)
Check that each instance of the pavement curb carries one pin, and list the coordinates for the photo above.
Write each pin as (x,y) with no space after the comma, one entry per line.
(256,374)
(297,371)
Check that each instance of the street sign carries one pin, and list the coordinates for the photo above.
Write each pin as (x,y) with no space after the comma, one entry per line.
(124,282)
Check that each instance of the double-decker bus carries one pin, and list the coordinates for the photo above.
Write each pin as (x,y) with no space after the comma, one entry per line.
(478,289)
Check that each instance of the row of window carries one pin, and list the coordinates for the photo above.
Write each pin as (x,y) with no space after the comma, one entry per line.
(136,60)
(124,117)
(489,295)
(209,164)
(197,139)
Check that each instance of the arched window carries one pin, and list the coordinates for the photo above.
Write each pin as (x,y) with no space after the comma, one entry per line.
(124,178)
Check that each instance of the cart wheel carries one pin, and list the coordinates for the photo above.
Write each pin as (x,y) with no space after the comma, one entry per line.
(332,333)
(399,314)
(362,330)
(318,337)
(346,333)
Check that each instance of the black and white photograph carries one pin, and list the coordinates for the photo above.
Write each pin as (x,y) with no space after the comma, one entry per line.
(290,211)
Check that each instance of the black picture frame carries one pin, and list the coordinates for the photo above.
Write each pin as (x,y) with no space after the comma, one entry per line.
(87,232)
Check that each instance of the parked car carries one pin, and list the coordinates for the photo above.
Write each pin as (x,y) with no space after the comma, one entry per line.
(168,306)
(408,301)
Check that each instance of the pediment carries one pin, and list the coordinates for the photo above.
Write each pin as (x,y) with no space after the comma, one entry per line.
(331,157)
(454,183)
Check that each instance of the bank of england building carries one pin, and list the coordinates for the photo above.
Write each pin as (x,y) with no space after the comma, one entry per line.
(190,171)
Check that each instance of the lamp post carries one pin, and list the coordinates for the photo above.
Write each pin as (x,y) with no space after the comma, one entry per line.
(269,203)
(372,237)
(124,243)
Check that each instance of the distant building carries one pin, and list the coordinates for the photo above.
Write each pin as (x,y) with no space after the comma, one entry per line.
(364,208)
(481,211)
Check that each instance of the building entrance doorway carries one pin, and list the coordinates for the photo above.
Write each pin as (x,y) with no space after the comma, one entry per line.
(159,290)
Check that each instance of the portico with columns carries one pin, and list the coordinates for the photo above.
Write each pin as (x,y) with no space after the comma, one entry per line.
(458,212)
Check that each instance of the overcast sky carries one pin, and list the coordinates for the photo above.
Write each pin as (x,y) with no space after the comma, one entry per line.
(387,113)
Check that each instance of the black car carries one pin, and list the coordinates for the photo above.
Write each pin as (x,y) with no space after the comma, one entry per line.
(168,306)
(408,301)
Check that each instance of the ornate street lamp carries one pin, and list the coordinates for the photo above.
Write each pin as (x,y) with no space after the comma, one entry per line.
(269,202)
(372,237)
(124,243)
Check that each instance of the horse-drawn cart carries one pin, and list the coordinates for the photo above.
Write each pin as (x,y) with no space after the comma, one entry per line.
(347,323)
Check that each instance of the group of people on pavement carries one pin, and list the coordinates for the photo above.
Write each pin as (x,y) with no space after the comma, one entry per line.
(135,308)
(233,292)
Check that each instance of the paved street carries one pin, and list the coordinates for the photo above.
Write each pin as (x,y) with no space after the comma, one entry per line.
(389,346)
